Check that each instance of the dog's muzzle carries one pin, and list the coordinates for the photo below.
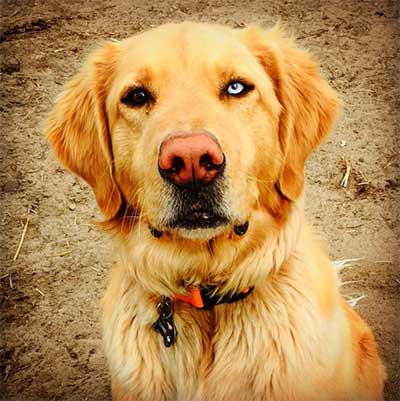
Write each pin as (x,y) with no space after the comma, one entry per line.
(192,164)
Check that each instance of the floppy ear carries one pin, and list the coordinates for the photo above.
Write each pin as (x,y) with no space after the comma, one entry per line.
(78,128)
(309,104)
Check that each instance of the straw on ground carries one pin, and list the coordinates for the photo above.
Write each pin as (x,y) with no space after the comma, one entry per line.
(21,241)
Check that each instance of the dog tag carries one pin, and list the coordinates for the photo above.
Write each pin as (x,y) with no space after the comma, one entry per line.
(165,323)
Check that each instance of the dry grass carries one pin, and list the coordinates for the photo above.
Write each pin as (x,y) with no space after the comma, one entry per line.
(341,265)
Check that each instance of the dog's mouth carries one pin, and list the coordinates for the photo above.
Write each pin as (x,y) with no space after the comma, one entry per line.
(201,218)
(199,208)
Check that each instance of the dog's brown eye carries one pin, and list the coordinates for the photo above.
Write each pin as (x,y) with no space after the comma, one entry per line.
(237,88)
(136,97)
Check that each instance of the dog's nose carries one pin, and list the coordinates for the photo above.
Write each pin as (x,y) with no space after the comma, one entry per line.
(190,158)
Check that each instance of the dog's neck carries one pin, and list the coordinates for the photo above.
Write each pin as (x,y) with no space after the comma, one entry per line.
(173,266)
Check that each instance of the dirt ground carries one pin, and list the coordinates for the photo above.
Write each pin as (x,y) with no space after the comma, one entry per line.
(50,341)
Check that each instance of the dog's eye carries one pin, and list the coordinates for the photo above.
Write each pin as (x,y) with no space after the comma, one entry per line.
(237,88)
(136,97)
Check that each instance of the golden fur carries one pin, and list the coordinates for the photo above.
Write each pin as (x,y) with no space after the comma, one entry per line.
(293,338)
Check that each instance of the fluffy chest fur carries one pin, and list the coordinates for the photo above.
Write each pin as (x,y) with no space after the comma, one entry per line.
(270,346)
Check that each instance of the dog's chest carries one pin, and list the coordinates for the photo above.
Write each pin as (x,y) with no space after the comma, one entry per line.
(236,352)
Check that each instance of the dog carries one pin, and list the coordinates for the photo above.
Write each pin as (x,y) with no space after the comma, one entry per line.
(193,138)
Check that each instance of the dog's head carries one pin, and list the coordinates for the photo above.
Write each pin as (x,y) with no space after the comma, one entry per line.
(194,127)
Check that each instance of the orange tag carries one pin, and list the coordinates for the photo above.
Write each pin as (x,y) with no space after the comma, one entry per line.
(194,298)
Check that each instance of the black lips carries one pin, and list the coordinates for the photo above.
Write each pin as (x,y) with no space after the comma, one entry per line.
(201,219)
(198,208)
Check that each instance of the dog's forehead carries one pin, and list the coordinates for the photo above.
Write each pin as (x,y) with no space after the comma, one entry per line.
(175,48)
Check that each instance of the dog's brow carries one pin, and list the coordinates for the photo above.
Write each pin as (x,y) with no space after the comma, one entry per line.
(228,73)
(144,78)
(145,74)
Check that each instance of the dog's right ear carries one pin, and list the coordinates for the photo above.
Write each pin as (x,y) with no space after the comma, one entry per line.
(309,104)
(78,128)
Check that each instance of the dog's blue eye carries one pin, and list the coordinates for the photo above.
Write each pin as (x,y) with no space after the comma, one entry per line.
(236,88)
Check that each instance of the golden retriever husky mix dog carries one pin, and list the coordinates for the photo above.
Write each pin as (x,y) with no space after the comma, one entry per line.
(194,138)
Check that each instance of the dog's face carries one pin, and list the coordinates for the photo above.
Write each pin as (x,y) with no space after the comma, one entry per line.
(194,118)
(194,126)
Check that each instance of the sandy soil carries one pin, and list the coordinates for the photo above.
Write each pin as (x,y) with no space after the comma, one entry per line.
(50,342)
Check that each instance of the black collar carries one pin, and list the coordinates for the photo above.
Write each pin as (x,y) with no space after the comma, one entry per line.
(204,298)
(211,299)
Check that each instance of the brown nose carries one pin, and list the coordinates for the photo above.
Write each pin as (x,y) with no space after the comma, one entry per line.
(190,159)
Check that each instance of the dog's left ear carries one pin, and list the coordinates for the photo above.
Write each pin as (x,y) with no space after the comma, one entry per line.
(309,104)
(78,128)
